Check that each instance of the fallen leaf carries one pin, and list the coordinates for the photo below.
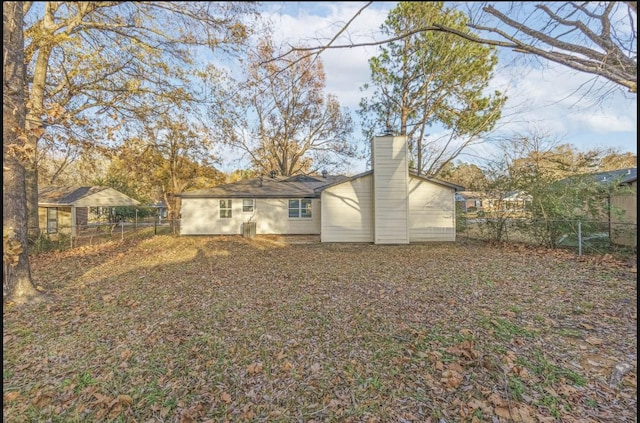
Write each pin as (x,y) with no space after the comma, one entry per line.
(226,398)
(10,396)
(254,368)
(594,341)
(502,412)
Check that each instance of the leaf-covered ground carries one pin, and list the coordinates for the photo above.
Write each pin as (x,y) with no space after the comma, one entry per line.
(232,329)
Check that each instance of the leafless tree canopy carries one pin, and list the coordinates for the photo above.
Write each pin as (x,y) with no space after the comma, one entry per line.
(597,38)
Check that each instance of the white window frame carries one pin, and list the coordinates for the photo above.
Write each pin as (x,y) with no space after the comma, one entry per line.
(245,206)
(226,209)
(52,220)
(300,208)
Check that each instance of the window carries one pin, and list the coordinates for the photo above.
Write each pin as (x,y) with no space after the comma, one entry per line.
(52,220)
(300,209)
(248,206)
(225,209)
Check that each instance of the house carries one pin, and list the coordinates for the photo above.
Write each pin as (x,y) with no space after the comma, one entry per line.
(161,210)
(510,201)
(386,205)
(617,192)
(515,201)
(623,209)
(64,209)
(470,201)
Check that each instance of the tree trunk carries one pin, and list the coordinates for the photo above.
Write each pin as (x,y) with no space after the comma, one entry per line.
(34,124)
(17,285)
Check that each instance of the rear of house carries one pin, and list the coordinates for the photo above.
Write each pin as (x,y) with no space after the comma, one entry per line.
(386,205)
(348,212)
(275,204)
(227,215)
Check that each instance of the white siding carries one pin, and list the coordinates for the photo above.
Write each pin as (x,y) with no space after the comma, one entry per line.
(272,217)
(347,211)
(201,216)
(431,211)
(390,190)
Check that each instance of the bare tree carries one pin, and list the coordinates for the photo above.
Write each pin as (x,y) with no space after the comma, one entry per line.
(597,38)
(280,117)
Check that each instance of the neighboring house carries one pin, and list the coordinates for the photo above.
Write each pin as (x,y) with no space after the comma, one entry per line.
(64,209)
(623,209)
(620,205)
(470,201)
(162,212)
(514,201)
(386,205)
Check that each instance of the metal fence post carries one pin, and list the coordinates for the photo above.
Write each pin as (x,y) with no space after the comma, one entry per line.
(579,238)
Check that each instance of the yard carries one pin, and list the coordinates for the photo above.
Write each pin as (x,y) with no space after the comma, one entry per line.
(232,329)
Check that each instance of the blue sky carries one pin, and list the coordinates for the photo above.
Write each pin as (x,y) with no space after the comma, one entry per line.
(542,95)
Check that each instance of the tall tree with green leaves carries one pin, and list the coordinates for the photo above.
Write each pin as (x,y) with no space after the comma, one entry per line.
(431,79)
(94,66)
(17,285)
(280,117)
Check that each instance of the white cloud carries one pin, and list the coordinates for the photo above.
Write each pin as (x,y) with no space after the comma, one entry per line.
(567,103)
(346,69)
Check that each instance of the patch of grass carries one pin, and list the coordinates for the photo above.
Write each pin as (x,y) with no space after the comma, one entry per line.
(590,402)
(551,404)
(549,373)
(515,309)
(570,333)
(583,307)
(503,329)
(82,381)
(516,388)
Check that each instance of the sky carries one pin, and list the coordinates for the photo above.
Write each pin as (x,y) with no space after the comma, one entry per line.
(541,94)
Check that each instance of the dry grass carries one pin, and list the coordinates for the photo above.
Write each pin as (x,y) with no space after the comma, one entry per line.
(266,329)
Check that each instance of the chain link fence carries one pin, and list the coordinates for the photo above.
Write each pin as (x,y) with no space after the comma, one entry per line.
(582,236)
(66,237)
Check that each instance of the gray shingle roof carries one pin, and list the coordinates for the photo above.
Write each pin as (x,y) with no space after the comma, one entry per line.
(68,196)
(618,177)
(65,195)
(297,186)
(621,176)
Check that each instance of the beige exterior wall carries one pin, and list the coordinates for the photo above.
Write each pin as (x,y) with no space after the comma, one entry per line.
(64,219)
(624,228)
(431,212)
(201,216)
(348,215)
(390,190)
(347,211)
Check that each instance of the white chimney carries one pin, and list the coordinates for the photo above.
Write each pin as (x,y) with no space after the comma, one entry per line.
(390,164)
